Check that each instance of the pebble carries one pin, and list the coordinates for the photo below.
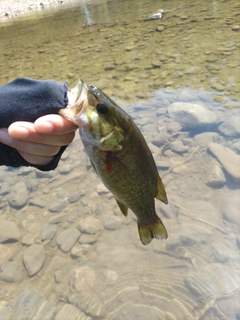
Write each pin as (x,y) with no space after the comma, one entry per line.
(67,238)
(236,28)
(37,202)
(33,305)
(230,207)
(33,259)
(178,147)
(228,159)
(74,197)
(89,225)
(205,138)
(112,223)
(11,272)
(58,218)
(83,279)
(58,206)
(160,28)
(216,177)
(18,197)
(9,231)
(162,165)
(230,127)
(86,239)
(48,231)
(66,169)
(191,116)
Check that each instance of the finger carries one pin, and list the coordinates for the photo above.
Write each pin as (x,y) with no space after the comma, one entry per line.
(28,147)
(25,131)
(37,160)
(54,124)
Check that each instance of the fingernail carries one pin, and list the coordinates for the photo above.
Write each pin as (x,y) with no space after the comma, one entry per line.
(5,137)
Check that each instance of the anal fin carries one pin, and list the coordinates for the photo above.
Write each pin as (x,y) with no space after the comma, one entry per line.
(161,195)
(122,207)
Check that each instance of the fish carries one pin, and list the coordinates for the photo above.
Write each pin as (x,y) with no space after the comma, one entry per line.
(120,156)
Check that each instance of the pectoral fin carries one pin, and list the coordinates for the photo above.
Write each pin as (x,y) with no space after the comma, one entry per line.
(123,208)
(161,195)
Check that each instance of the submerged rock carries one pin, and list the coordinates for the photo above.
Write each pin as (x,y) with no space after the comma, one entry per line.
(33,259)
(9,231)
(228,159)
(18,196)
(191,115)
(33,305)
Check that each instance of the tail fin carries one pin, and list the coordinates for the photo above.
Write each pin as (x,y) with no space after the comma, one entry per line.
(152,230)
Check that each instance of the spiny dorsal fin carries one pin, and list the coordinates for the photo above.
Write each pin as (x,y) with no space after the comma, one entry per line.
(161,195)
(123,208)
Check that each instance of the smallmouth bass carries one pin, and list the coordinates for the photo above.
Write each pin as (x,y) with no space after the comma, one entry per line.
(120,156)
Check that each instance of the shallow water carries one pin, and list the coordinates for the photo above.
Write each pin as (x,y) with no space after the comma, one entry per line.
(72,254)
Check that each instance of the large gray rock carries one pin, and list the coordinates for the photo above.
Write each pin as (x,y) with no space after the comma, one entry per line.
(228,159)
(33,258)
(191,115)
(32,305)
(9,231)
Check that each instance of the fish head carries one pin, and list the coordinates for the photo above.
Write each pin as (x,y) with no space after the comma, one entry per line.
(97,116)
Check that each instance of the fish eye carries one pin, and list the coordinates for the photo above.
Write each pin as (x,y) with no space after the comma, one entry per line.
(102,108)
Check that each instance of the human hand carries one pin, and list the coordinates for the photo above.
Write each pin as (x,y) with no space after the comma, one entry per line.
(40,141)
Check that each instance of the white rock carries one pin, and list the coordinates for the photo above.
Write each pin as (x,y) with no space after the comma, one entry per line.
(9,231)
(191,116)
(89,225)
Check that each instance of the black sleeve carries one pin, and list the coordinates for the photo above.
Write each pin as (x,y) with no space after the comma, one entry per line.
(27,99)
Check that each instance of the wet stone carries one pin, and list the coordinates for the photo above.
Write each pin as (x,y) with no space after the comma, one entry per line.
(178,147)
(67,238)
(40,203)
(29,239)
(33,259)
(74,197)
(191,116)
(230,207)
(18,196)
(89,225)
(162,165)
(48,231)
(236,28)
(33,305)
(11,272)
(206,138)
(66,169)
(5,188)
(83,278)
(58,218)
(58,206)
(9,231)
(230,127)
(86,239)
(228,159)
(216,177)
(112,223)
(160,28)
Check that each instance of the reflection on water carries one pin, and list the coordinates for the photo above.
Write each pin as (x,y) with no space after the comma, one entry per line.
(66,252)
